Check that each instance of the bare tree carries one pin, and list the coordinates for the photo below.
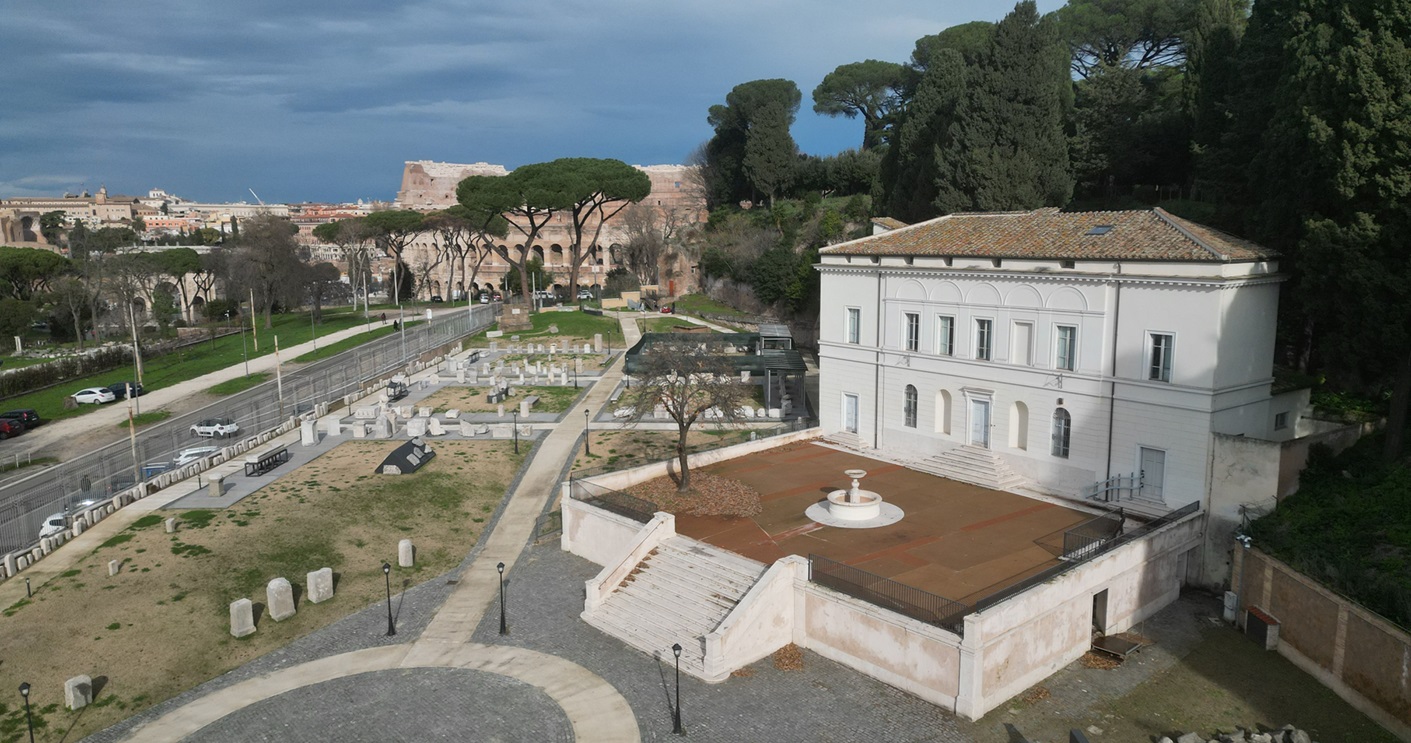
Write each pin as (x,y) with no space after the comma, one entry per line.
(687,376)
(71,294)
(354,239)
(266,261)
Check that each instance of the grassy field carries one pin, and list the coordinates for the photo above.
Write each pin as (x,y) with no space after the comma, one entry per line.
(626,448)
(239,384)
(664,324)
(142,419)
(161,625)
(188,363)
(20,362)
(472,399)
(578,326)
(333,349)
(695,304)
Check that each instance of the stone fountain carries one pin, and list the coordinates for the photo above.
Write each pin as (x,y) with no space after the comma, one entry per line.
(854,508)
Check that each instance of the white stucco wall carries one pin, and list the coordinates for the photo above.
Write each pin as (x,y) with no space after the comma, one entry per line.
(593,534)
(760,624)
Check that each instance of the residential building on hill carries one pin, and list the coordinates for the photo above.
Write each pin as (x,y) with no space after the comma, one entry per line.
(1112,357)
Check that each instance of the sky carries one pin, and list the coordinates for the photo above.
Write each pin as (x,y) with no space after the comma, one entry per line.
(325,101)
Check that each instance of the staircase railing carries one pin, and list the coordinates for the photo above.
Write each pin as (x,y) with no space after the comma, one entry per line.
(1116,488)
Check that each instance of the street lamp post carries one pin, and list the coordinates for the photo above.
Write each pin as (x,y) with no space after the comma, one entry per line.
(387,574)
(504,629)
(516,431)
(676,717)
(587,433)
(29,721)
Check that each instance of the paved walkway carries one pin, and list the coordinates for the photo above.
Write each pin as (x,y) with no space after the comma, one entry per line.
(594,708)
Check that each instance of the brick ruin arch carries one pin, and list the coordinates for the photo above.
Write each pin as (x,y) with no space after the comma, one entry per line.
(20,226)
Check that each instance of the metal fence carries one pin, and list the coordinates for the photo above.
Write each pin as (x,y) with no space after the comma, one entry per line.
(1116,488)
(622,504)
(888,594)
(1086,538)
(96,476)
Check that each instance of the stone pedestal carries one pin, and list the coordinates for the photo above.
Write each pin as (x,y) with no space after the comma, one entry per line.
(242,618)
(467,429)
(308,433)
(524,407)
(359,430)
(171,526)
(335,427)
(320,583)
(78,692)
(216,487)
(279,599)
(406,553)
(416,427)
(113,567)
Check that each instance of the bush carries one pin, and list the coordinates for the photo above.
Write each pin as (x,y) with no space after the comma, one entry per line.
(31,378)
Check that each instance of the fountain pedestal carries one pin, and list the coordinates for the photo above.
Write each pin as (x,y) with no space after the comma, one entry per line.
(854,507)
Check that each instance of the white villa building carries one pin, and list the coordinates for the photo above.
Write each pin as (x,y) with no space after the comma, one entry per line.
(1116,356)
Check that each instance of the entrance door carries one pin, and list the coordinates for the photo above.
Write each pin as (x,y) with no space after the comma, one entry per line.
(1153,473)
(980,423)
(850,413)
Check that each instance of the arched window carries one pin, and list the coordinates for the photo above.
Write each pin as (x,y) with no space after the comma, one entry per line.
(1062,432)
(910,406)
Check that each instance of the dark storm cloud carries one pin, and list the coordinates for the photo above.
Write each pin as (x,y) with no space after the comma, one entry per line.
(313,101)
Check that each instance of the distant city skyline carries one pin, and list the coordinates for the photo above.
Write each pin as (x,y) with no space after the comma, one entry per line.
(302,104)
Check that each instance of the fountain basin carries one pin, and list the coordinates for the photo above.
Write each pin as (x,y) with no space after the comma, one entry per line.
(854,505)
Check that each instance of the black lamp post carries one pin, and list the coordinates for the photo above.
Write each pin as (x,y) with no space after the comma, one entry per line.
(504,629)
(676,718)
(24,692)
(387,574)
(587,433)
(516,430)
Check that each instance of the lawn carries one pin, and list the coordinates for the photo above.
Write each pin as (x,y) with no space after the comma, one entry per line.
(572,326)
(161,625)
(188,363)
(239,384)
(666,325)
(627,448)
(333,349)
(697,304)
(142,419)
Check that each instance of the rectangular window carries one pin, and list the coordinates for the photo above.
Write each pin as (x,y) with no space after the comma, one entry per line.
(1163,345)
(854,325)
(913,331)
(1067,348)
(945,335)
(1281,421)
(984,336)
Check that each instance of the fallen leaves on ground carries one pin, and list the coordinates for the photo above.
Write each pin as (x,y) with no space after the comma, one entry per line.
(710,495)
(788,658)
(1099,661)
(1036,694)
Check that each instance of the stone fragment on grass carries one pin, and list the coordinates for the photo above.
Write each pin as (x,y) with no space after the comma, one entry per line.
(320,584)
(242,618)
(406,553)
(78,692)
(279,597)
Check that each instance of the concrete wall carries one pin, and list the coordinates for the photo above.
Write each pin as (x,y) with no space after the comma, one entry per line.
(1029,636)
(629,477)
(593,534)
(1244,472)
(1360,656)
(912,656)
(760,624)
(1294,454)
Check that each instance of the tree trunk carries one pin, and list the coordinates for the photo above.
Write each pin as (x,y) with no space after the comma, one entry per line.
(685,483)
(1396,418)
(573,275)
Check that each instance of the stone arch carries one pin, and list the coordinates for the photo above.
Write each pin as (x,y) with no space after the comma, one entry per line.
(1024,296)
(983,294)
(910,289)
(946,291)
(943,412)
(556,255)
(1019,425)
(538,252)
(1067,298)
(198,306)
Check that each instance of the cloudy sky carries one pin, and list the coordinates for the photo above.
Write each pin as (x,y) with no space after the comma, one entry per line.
(324,101)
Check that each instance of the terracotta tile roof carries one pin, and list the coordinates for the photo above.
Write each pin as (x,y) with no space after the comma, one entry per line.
(1142,235)
(888,223)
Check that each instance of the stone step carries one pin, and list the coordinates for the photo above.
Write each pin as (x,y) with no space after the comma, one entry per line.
(705,554)
(651,640)
(668,585)
(973,465)
(707,580)
(678,620)
(685,609)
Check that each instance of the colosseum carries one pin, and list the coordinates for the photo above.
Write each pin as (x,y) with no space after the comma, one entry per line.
(431,186)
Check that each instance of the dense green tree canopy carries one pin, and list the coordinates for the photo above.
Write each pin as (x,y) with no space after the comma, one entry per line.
(28,271)
(870,89)
(752,125)
(1135,34)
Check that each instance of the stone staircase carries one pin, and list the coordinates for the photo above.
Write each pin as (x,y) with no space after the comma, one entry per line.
(845,439)
(680,593)
(972,464)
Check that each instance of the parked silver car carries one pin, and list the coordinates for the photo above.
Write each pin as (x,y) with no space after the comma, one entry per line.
(215,427)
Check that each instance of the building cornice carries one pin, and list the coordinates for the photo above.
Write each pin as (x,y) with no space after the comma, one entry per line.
(1075,277)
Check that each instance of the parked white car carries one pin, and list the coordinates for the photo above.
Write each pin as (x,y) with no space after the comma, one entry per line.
(187,456)
(94,396)
(53,524)
(215,427)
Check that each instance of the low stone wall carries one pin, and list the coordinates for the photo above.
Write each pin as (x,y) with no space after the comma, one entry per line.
(594,534)
(651,535)
(760,624)
(1360,656)
(1029,636)
(627,478)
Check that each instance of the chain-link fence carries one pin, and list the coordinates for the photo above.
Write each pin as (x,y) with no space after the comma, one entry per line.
(71,486)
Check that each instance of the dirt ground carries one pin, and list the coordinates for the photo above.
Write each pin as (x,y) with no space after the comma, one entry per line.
(472,399)
(161,625)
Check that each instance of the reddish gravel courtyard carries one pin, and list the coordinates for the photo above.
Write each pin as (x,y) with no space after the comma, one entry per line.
(959,541)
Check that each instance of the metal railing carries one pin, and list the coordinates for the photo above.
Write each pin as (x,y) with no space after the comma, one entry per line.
(907,600)
(1116,488)
(1086,538)
(622,504)
(72,485)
